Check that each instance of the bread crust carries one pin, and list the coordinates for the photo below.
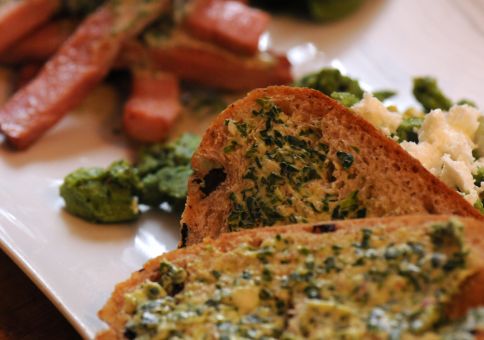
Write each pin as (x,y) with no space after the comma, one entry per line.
(470,295)
(393,182)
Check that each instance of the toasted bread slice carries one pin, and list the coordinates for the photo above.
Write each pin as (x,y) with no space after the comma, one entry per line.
(286,155)
(251,266)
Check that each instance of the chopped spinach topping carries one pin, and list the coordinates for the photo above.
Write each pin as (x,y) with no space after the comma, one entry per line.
(216,274)
(346,159)
(479,176)
(231,147)
(447,235)
(281,166)
(347,207)
(408,129)
(365,239)
(242,128)
(172,277)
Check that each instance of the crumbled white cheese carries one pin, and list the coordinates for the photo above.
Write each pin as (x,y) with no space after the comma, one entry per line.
(376,113)
(446,142)
(446,139)
(426,154)
(456,174)
(464,118)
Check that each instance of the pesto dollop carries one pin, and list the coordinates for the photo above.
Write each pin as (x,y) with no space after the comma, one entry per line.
(428,93)
(164,170)
(102,195)
(331,80)
(112,195)
(342,88)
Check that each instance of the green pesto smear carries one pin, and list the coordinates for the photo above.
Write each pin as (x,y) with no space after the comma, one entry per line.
(288,172)
(371,284)
(112,195)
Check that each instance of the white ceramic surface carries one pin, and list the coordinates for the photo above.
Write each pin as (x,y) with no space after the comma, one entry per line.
(77,264)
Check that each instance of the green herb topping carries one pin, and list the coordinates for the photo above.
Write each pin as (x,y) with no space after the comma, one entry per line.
(369,284)
(288,171)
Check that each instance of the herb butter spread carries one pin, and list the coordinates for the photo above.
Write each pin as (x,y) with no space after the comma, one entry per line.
(370,283)
(289,172)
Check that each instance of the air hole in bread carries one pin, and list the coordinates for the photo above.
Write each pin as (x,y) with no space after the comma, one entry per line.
(330,172)
(429,205)
(184,235)
(323,228)
(212,180)
(129,334)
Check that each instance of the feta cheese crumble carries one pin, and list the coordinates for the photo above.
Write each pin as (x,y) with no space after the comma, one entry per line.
(450,144)
(377,113)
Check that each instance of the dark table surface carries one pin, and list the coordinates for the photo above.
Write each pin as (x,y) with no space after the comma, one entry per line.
(25,313)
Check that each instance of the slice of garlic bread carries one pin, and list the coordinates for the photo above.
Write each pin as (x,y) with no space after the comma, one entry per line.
(400,277)
(286,155)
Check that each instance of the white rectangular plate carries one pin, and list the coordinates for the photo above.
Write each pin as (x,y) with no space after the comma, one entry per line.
(77,264)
